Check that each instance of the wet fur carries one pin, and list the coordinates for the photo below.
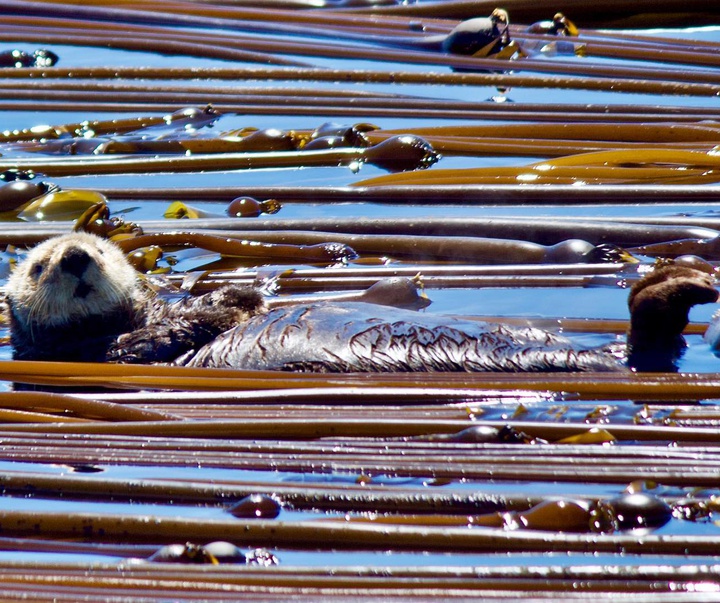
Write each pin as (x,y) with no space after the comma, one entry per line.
(76,298)
(172,331)
(659,304)
(93,308)
(48,299)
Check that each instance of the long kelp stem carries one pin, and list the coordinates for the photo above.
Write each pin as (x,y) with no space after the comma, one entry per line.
(397,77)
(338,535)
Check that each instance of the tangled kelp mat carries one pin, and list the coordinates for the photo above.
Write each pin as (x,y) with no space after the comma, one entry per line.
(313,149)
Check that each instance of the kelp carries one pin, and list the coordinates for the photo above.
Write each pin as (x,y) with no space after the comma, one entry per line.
(596,386)
(488,582)
(635,85)
(398,448)
(649,165)
(340,536)
(543,231)
(609,13)
(269,22)
(544,139)
(528,194)
(399,153)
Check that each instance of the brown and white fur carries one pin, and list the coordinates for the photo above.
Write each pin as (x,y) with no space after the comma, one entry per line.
(76,298)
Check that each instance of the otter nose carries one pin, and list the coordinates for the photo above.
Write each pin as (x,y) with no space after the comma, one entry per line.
(75,261)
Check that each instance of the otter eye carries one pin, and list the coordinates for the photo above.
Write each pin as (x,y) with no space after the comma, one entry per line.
(36,270)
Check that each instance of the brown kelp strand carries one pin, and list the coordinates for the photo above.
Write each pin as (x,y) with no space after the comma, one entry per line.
(547,231)
(398,153)
(267,19)
(360,399)
(598,386)
(637,85)
(266,101)
(356,499)
(450,461)
(179,120)
(649,165)
(706,248)
(162,46)
(328,251)
(447,145)
(663,119)
(341,536)
(362,463)
(298,496)
(338,110)
(340,288)
(296,428)
(617,132)
(283,25)
(263,48)
(489,583)
(609,13)
(440,194)
(71,406)
(459,248)
(484,443)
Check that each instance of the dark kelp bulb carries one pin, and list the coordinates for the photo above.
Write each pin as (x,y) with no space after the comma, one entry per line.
(248,207)
(475,34)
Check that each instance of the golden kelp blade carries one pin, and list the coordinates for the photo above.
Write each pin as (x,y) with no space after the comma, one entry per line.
(605,167)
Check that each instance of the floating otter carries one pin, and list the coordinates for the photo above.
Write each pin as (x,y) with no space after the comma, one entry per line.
(75,297)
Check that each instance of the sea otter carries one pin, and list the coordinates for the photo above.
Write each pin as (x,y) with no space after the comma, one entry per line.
(75,297)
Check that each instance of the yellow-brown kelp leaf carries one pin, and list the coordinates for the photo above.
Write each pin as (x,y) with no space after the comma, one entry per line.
(178,210)
(591,436)
(646,166)
(145,259)
(61,205)
(96,220)
(559,26)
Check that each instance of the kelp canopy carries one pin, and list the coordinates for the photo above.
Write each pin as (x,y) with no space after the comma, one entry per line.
(313,149)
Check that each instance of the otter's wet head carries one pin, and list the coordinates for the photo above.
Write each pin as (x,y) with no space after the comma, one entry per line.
(69,278)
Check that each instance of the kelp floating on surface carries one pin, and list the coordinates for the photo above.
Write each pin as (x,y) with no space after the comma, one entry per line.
(414,462)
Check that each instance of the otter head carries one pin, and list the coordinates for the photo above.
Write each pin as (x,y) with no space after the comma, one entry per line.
(69,290)
(659,305)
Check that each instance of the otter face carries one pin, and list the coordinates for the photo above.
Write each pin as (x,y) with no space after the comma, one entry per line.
(70,278)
